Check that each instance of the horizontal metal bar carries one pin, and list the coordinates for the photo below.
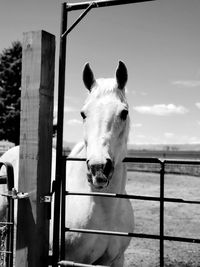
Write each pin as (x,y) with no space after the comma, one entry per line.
(146,160)
(102,3)
(6,223)
(182,162)
(76,264)
(130,196)
(74,159)
(143,160)
(127,159)
(112,195)
(112,233)
(5,252)
(182,239)
(137,235)
(180,200)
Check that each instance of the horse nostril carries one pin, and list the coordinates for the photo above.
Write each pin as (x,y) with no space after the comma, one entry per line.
(108,167)
(101,180)
(95,168)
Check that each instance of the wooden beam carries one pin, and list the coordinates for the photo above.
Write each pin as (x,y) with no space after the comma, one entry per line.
(36,129)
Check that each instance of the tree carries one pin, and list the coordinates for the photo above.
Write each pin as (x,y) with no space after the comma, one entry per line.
(10,91)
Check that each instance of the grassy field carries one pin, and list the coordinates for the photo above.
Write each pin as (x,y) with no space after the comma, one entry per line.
(183,169)
(180,220)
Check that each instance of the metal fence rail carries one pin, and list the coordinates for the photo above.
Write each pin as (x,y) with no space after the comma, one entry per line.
(101,3)
(161,237)
(75,264)
(9,180)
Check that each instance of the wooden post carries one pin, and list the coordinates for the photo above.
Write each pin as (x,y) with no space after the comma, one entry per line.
(36,127)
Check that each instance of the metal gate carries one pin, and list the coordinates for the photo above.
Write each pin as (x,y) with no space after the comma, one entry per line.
(9,223)
(64,31)
(61,161)
(162,199)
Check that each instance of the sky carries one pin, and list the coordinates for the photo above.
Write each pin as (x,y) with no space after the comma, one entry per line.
(158,41)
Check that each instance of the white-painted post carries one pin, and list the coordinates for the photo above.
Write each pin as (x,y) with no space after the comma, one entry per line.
(38,61)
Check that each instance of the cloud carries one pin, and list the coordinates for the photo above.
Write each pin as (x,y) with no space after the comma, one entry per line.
(66,109)
(74,122)
(161,109)
(187,83)
(169,135)
(198,105)
(145,139)
(138,92)
(194,140)
(136,125)
(144,93)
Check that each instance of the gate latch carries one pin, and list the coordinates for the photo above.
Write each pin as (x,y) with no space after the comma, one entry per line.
(14,194)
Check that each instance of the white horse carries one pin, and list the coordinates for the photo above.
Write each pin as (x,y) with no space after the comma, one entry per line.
(106,128)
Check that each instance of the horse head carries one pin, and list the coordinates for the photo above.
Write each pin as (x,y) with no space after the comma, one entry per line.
(106,124)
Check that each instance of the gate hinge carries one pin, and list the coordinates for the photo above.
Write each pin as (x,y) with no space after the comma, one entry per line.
(46,199)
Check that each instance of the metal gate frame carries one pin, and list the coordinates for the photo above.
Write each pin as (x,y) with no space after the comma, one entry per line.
(64,31)
(9,180)
(61,161)
(162,199)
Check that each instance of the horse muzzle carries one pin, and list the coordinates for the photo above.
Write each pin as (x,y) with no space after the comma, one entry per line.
(99,175)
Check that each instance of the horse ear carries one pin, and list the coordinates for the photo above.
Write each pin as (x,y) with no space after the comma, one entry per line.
(88,77)
(121,75)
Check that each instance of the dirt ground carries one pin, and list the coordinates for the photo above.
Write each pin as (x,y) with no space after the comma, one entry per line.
(181,220)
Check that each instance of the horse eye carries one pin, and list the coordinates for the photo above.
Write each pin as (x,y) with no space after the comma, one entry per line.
(83,115)
(124,114)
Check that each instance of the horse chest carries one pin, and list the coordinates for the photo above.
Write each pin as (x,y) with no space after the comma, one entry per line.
(91,215)
(93,248)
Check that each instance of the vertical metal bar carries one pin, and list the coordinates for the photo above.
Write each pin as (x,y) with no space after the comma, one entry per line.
(10,235)
(63,201)
(10,216)
(59,146)
(162,173)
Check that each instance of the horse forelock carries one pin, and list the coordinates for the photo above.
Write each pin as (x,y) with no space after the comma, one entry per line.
(108,86)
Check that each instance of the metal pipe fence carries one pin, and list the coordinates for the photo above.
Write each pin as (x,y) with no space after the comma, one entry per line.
(161,237)
(9,223)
